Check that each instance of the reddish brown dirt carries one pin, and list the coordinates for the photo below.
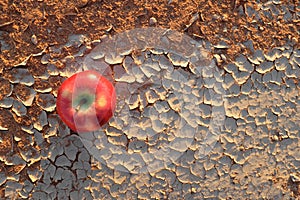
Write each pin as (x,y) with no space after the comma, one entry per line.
(53,21)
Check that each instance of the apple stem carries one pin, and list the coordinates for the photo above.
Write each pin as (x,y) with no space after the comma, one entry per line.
(82,102)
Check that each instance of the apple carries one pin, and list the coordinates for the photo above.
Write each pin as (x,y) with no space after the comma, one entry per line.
(86,101)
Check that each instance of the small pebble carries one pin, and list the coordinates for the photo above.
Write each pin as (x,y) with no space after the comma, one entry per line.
(152,21)
(264,67)
(19,108)
(63,161)
(20,75)
(47,102)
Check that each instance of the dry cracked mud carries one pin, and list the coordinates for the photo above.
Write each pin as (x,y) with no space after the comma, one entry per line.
(254,46)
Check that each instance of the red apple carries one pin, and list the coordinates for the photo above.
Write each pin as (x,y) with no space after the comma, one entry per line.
(86,101)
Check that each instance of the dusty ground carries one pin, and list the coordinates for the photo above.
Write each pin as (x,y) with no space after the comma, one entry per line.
(230,21)
(30,27)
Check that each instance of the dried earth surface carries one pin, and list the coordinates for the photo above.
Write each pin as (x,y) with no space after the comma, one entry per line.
(255,45)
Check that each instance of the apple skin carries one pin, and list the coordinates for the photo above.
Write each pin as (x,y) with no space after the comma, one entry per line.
(86,101)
